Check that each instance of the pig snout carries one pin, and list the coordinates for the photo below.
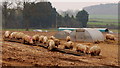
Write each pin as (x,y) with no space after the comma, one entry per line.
(30,40)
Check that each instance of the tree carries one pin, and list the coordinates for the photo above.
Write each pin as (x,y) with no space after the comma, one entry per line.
(26,15)
(67,20)
(82,17)
(5,5)
(39,15)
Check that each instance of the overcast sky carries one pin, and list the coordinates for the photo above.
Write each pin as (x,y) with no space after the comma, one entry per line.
(77,4)
(73,4)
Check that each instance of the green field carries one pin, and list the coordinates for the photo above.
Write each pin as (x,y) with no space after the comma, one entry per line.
(99,23)
(103,22)
(103,16)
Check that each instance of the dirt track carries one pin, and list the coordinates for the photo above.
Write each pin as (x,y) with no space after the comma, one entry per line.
(17,54)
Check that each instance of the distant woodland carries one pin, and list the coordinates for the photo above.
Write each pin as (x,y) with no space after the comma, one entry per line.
(38,15)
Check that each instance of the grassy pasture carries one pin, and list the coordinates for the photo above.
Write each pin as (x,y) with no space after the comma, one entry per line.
(103,22)
(99,23)
(103,16)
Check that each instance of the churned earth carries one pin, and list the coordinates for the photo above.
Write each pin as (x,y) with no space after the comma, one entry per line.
(17,54)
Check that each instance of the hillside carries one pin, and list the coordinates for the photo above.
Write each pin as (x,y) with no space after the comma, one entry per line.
(109,11)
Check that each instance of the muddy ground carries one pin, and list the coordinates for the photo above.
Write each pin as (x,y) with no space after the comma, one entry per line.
(17,54)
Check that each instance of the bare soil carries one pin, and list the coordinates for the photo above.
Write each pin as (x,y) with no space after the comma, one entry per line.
(17,54)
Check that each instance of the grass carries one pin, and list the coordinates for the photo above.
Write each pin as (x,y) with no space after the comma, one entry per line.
(99,23)
(96,23)
(104,16)
(103,22)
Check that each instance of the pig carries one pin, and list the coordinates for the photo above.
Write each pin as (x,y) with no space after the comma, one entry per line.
(52,37)
(35,38)
(7,34)
(51,44)
(45,39)
(13,35)
(68,38)
(95,50)
(69,45)
(19,35)
(82,48)
(41,39)
(27,39)
(110,37)
(57,42)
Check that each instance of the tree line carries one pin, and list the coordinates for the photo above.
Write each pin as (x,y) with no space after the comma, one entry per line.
(38,15)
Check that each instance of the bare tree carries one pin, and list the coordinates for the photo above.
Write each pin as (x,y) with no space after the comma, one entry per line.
(18,3)
(5,5)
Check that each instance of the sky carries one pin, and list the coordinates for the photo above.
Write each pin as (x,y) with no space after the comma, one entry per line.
(73,4)
(84,0)
(77,4)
